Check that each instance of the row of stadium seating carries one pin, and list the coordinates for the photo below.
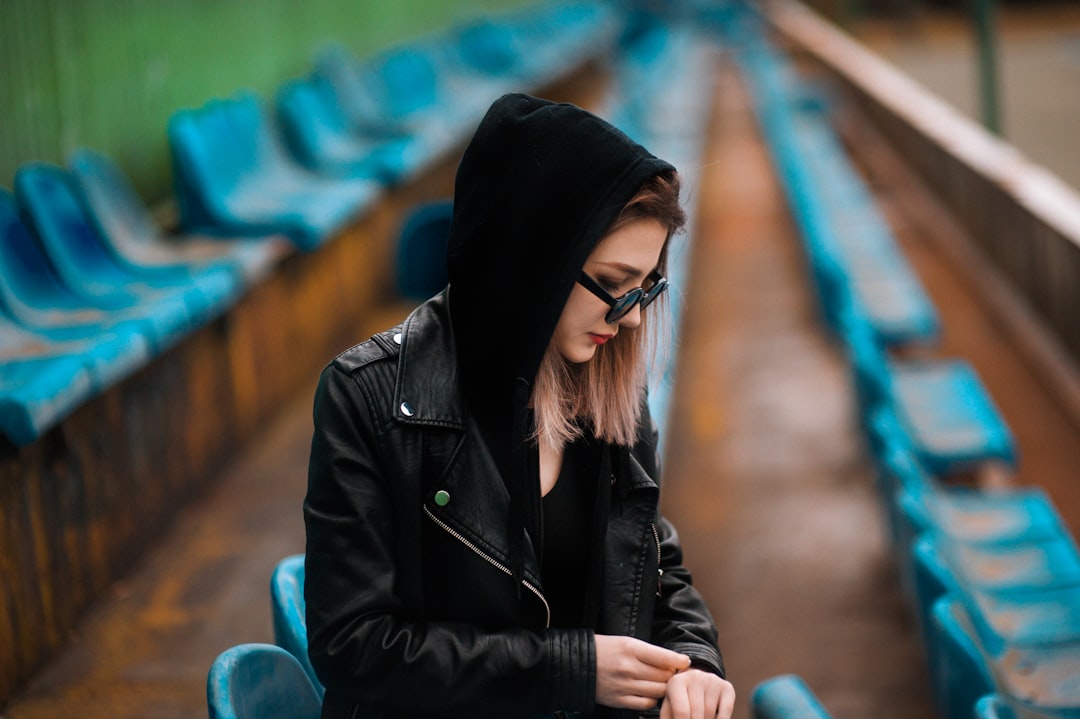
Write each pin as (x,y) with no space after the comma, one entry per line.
(993,576)
(92,289)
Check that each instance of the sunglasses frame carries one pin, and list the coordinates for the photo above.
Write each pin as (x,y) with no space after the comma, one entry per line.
(621,305)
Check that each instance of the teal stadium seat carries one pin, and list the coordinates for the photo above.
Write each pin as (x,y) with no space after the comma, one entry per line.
(785,697)
(941,406)
(38,390)
(172,305)
(32,296)
(490,46)
(322,138)
(993,707)
(958,673)
(963,515)
(837,219)
(260,681)
(126,225)
(1027,643)
(421,250)
(396,92)
(287,608)
(234,176)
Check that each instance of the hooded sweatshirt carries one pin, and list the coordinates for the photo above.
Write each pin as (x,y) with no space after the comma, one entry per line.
(535,190)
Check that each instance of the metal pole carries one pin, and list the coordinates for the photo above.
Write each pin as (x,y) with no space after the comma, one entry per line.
(986,37)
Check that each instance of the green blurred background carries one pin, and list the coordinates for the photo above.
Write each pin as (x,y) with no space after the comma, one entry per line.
(107,74)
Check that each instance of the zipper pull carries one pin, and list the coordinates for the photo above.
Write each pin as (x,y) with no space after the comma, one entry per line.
(659,571)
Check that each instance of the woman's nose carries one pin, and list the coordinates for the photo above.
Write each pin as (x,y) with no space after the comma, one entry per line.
(632,318)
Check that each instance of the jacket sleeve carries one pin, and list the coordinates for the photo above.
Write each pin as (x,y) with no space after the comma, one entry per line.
(363,643)
(681,620)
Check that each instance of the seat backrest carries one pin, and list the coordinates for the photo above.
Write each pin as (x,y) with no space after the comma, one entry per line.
(56,214)
(353,87)
(421,250)
(287,609)
(786,697)
(960,673)
(410,78)
(309,118)
(209,160)
(488,46)
(28,282)
(112,202)
(260,681)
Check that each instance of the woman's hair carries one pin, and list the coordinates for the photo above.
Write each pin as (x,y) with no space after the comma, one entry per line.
(604,394)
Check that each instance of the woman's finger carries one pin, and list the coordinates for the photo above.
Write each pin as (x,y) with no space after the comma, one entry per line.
(660,657)
(677,700)
(727,701)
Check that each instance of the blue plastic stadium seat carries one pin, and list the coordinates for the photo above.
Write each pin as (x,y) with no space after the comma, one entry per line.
(835,213)
(393,93)
(287,608)
(993,706)
(234,176)
(785,697)
(260,681)
(131,233)
(323,139)
(959,674)
(1036,679)
(971,517)
(42,379)
(1029,644)
(490,46)
(36,393)
(941,405)
(421,250)
(34,297)
(172,305)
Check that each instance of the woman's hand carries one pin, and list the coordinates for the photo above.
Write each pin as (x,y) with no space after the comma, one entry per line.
(632,674)
(696,694)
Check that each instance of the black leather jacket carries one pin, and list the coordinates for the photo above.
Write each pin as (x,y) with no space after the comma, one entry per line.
(411,607)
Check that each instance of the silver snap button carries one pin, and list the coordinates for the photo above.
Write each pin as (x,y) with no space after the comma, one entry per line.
(406,409)
(397,338)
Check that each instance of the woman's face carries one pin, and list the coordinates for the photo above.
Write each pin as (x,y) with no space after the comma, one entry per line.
(620,262)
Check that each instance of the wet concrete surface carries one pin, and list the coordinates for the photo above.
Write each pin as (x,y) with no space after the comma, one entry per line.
(765,479)
(765,476)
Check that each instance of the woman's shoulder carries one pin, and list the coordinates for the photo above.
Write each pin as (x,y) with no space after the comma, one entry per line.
(382,346)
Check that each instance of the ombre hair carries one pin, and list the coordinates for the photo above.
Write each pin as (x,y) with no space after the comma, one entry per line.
(604,394)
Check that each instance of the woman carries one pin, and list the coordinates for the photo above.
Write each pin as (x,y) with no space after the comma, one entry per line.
(482,523)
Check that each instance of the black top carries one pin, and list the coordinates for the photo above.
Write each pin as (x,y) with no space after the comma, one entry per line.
(568,521)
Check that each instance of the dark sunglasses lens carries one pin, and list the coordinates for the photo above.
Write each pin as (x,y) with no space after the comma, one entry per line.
(623,305)
(653,292)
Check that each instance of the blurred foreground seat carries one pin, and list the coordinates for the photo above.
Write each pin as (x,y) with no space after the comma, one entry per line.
(260,681)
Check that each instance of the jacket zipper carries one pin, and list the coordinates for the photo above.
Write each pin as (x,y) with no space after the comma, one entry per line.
(491,560)
(659,571)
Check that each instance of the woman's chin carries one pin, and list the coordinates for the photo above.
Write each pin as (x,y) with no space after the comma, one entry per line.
(580,355)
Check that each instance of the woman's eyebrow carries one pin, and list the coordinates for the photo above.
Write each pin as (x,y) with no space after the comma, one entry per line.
(630,270)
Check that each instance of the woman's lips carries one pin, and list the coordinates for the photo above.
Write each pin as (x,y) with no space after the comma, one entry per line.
(600,339)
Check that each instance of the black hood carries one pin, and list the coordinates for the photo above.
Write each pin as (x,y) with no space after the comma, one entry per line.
(537,186)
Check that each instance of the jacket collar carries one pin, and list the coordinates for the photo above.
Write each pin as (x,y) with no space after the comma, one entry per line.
(428,389)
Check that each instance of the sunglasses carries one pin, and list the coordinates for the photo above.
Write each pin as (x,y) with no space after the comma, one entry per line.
(623,304)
